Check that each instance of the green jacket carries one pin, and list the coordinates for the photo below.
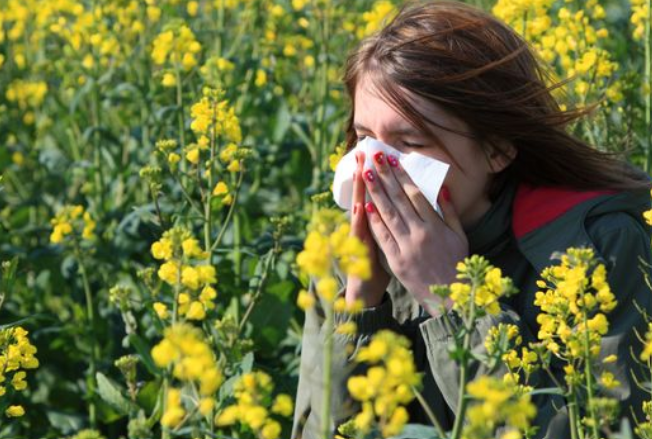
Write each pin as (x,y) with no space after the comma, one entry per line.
(519,233)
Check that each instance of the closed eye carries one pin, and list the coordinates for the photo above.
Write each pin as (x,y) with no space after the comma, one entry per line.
(411,145)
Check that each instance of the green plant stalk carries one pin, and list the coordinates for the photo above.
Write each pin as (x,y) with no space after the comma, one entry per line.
(328,365)
(268,263)
(589,379)
(572,414)
(648,84)
(90,315)
(97,153)
(461,399)
(229,214)
(208,211)
(464,367)
(429,413)
(165,431)
(182,134)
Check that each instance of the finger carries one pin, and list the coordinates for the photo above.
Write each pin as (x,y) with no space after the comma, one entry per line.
(418,202)
(381,232)
(384,206)
(448,209)
(394,191)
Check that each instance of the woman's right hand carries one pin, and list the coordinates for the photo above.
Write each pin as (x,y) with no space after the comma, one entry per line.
(372,290)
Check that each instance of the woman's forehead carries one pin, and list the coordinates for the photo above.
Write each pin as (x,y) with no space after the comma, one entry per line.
(369,99)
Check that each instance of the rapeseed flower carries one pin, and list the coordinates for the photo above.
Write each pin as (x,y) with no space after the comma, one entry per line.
(387,387)
(253,406)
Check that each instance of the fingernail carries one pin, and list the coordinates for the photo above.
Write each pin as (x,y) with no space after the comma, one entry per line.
(369,175)
(445,193)
(355,209)
(379,157)
(369,207)
(393,161)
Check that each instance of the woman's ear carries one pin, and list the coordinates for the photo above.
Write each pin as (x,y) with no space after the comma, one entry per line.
(500,154)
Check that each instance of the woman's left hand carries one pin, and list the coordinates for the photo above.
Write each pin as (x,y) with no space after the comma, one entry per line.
(421,248)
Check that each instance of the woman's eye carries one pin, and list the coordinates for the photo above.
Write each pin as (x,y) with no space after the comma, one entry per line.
(411,145)
(360,138)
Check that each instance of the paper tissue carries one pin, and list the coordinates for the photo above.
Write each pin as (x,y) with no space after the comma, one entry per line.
(427,173)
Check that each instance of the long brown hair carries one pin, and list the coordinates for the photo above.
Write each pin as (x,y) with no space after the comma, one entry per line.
(481,71)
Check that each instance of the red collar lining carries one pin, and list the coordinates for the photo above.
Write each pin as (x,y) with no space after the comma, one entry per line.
(536,206)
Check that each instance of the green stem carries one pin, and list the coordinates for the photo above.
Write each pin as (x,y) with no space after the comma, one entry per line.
(572,415)
(461,397)
(440,431)
(97,145)
(328,365)
(229,214)
(263,278)
(90,315)
(180,116)
(589,380)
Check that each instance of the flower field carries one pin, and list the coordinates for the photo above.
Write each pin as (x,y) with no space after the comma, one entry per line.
(165,202)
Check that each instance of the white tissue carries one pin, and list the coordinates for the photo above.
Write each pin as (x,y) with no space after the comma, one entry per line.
(427,173)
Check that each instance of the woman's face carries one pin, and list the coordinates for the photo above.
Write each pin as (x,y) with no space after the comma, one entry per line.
(467,181)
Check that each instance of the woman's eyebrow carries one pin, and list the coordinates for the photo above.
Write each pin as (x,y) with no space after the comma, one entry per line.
(397,131)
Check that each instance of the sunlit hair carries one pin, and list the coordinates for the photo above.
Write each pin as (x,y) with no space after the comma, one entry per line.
(478,69)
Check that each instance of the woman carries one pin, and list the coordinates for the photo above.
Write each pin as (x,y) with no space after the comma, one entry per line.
(454,83)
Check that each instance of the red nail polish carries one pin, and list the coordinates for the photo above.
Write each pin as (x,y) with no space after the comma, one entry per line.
(369,175)
(393,161)
(369,207)
(379,157)
(445,193)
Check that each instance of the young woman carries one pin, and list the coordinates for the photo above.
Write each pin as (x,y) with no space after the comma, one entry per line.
(452,82)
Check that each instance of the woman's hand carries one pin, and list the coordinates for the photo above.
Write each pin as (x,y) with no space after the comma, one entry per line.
(370,291)
(421,248)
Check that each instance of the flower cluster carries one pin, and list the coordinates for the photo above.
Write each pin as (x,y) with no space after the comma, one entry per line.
(381,12)
(27,95)
(16,356)
(253,395)
(192,361)
(388,386)
(568,37)
(497,403)
(481,288)
(215,123)
(640,13)
(573,304)
(329,242)
(180,252)
(177,45)
(71,219)
(503,341)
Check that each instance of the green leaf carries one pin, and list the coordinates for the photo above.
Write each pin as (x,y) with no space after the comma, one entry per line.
(112,395)
(417,431)
(143,350)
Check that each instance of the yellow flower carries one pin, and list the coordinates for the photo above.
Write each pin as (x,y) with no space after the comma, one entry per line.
(283,405)
(227,417)
(271,430)
(261,78)
(220,189)
(305,300)
(169,80)
(196,311)
(161,310)
(15,411)
(234,166)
